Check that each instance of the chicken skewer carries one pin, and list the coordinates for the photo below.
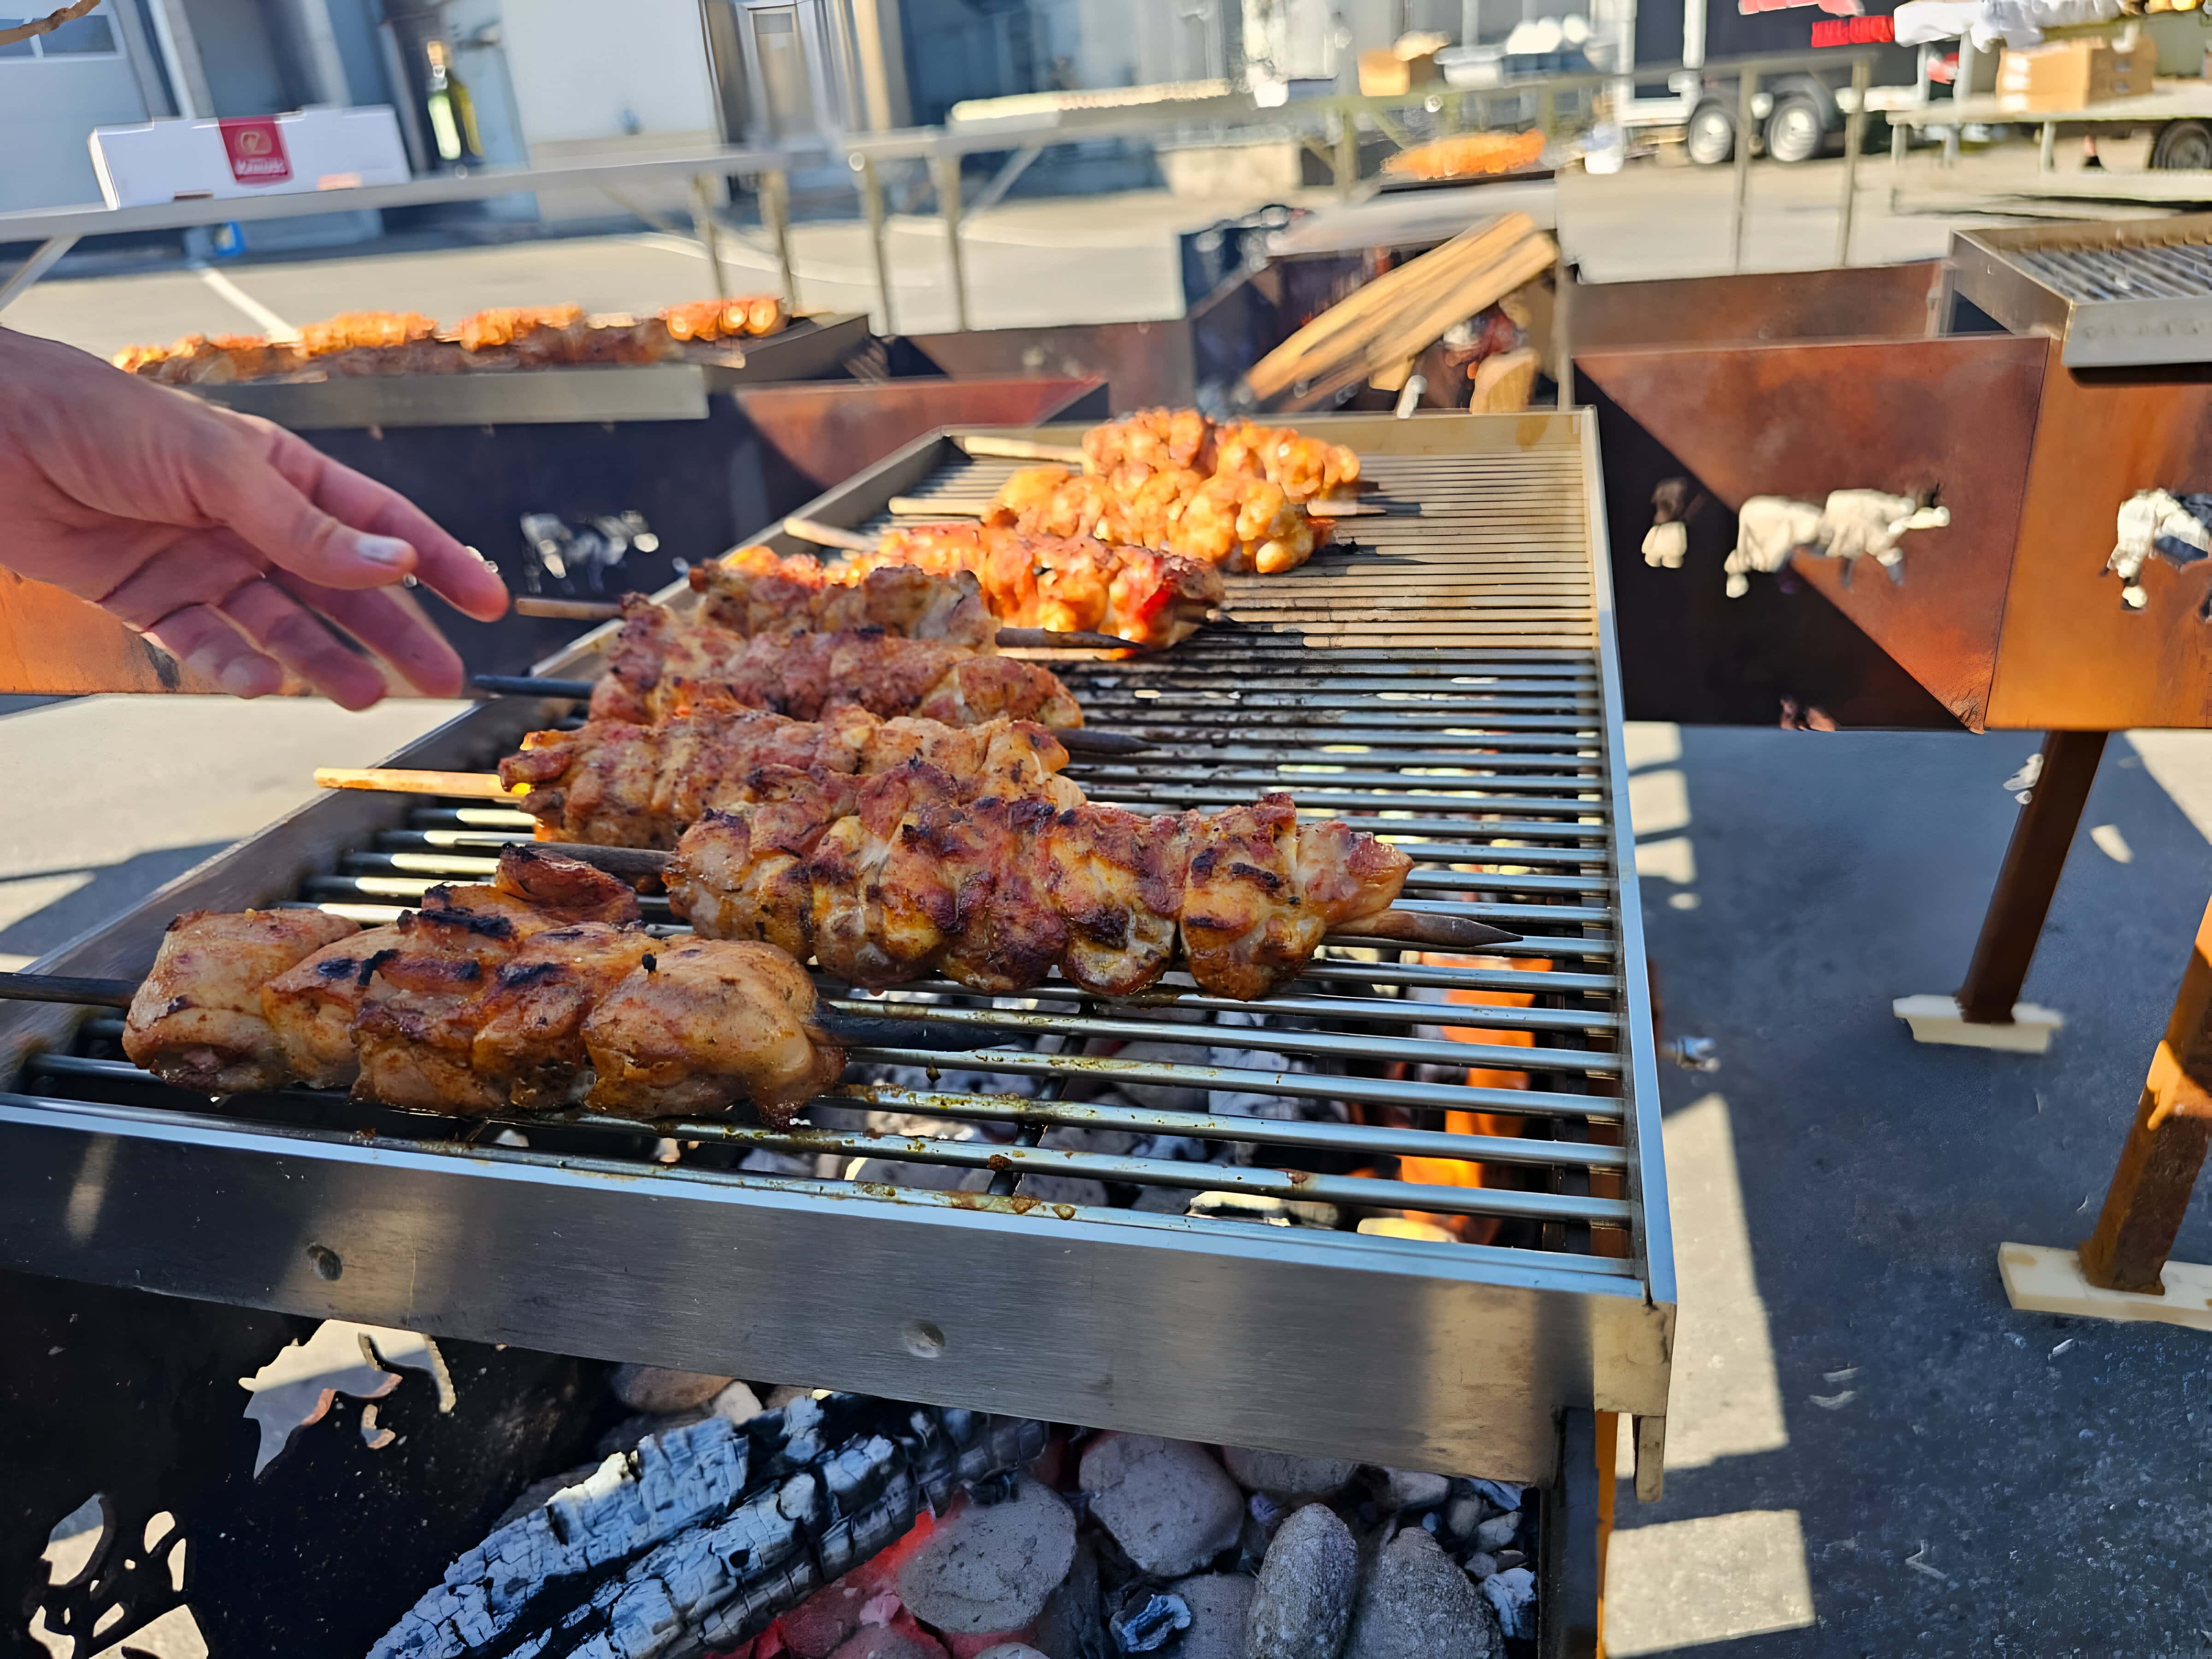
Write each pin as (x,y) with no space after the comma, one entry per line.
(1008,639)
(535,992)
(1309,470)
(660,664)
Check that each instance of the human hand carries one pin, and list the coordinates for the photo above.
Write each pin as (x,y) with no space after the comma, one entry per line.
(234,545)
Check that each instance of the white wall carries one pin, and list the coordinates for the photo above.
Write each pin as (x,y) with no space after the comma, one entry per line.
(48,108)
(578,64)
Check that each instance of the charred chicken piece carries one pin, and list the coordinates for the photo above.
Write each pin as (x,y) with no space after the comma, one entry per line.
(707,1024)
(753,591)
(310,1007)
(197,1019)
(529,1043)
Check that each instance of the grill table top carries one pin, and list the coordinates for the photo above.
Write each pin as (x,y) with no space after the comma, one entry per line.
(1445,681)
(2128,293)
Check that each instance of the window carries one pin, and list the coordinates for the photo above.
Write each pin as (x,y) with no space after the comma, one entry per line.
(81,37)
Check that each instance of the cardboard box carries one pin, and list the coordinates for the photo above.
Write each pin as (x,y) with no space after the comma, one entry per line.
(2069,75)
(326,148)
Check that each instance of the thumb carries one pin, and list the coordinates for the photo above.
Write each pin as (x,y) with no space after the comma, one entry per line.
(265,509)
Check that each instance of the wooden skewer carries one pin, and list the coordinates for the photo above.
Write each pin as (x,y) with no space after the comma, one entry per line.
(1018,449)
(1010,639)
(864,1031)
(829,535)
(914,507)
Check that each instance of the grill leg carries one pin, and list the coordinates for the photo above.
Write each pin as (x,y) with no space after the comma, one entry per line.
(1571,1587)
(2029,877)
(2166,1145)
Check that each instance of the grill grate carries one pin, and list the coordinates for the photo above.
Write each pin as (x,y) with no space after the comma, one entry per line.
(1480,747)
(2129,292)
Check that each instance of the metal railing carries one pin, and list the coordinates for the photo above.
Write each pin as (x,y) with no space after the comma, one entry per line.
(1329,128)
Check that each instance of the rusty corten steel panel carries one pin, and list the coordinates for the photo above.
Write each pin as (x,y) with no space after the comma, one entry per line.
(1862,302)
(2071,655)
(831,430)
(1903,415)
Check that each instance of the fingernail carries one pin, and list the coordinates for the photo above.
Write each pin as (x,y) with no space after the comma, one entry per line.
(243,679)
(385,551)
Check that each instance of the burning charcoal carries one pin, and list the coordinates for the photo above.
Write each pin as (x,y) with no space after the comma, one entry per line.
(992,1568)
(1220,1604)
(650,1388)
(889,1642)
(1419,1492)
(1417,1605)
(1070,1626)
(1302,1604)
(1278,1474)
(1148,1621)
(1512,1593)
(1167,1503)
(1497,1532)
(819,1625)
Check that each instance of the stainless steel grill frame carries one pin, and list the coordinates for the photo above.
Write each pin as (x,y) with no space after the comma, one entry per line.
(1479,733)
(2127,294)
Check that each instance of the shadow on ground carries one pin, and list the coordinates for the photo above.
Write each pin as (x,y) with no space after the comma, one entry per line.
(1974,1481)
(113,889)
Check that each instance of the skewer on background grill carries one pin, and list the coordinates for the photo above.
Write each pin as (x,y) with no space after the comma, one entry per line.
(1228,520)
(1308,469)
(535,992)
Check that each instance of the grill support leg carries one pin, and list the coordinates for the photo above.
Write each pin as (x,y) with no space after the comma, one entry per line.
(2166,1145)
(2029,877)
(1571,1585)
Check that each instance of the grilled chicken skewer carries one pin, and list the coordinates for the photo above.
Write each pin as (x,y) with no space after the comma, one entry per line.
(1308,469)
(1238,523)
(535,992)
(1008,639)
(661,663)
(993,893)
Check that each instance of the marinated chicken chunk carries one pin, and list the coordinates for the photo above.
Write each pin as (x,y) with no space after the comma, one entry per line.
(197,1019)
(706,1024)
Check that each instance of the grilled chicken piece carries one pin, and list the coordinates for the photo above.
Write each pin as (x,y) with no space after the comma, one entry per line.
(1068,583)
(197,1020)
(663,665)
(995,892)
(1304,468)
(350,329)
(432,991)
(1180,438)
(1257,900)
(310,1007)
(1245,523)
(612,783)
(1232,521)
(705,1024)
(529,1044)
(1116,879)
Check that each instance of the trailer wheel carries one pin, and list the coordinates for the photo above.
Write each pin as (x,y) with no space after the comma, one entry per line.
(1795,131)
(1710,139)
(2183,146)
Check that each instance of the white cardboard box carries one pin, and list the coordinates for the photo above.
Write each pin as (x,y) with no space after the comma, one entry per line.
(326,147)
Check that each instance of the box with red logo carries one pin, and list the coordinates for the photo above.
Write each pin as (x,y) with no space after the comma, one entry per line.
(322,149)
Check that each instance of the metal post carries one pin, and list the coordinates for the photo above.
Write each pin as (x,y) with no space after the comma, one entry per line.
(945,170)
(2166,1145)
(1854,137)
(40,262)
(776,208)
(871,198)
(1746,88)
(1547,109)
(1347,152)
(702,225)
(2029,877)
(2046,149)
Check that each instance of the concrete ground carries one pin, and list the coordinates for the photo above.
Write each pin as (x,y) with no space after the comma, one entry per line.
(1869,1453)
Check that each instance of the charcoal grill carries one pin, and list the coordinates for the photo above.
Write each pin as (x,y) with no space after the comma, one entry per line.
(1448,681)
(2122,294)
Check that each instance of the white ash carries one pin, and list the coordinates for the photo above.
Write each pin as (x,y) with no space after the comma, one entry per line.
(1302,1602)
(1278,1474)
(992,1567)
(1167,1503)
(1415,1604)
(1512,1593)
(1220,1605)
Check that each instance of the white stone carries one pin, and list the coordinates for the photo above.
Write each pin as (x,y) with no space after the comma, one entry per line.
(1281,1475)
(1304,1599)
(1414,1491)
(652,1388)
